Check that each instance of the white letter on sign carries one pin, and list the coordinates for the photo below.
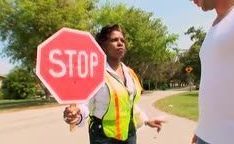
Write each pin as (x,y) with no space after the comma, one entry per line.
(70,54)
(58,62)
(93,62)
(82,64)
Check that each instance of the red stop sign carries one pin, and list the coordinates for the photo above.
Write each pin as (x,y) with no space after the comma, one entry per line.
(71,65)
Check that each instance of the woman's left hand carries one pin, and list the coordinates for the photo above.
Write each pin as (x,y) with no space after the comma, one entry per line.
(156,123)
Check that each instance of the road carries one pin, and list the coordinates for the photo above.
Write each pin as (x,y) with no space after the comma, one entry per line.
(176,130)
(46,126)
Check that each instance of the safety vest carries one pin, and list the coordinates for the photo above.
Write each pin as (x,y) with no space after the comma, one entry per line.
(116,120)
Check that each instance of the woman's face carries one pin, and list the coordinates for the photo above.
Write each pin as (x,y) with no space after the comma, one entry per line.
(114,47)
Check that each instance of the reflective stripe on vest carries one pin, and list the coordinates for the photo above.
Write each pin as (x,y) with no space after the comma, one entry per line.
(117,117)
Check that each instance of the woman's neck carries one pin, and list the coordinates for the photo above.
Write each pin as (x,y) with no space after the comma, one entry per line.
(117,67)
(114,64)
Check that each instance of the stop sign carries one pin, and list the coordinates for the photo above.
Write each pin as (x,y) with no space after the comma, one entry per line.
(71,65)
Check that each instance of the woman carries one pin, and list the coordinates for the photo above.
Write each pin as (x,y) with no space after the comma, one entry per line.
(111,109)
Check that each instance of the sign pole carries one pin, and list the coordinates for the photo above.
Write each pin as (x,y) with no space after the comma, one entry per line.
(189,69)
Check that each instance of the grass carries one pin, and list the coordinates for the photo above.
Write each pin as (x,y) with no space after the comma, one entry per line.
(183,105)
(22,104)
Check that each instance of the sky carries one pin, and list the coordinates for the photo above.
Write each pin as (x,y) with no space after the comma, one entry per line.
(177,15)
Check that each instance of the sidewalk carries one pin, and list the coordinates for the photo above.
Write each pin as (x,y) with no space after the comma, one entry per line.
(176,131)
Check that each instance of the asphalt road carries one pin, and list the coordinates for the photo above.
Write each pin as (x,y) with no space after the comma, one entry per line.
(46,126)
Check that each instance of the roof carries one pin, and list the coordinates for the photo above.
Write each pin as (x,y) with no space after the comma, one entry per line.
(2,76)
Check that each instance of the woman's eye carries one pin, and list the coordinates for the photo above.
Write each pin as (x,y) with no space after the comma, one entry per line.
(114,39)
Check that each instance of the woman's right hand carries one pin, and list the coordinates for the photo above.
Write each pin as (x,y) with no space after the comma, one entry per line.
(72,114)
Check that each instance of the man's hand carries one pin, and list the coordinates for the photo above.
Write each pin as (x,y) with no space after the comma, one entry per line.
(156,123)
(194,139)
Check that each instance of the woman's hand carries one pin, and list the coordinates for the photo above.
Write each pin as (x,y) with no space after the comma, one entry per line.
(156,123)
(72,114)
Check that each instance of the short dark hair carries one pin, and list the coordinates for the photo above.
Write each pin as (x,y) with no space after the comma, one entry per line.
(103,35)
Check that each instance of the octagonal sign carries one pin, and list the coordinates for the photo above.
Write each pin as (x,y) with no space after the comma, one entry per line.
(71,65)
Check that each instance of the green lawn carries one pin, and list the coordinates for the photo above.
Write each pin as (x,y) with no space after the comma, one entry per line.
(25,103)
(183,105)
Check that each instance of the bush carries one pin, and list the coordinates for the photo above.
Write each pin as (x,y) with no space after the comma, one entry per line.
(19,84)
(163,86)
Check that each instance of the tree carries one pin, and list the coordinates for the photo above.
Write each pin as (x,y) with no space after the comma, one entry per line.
(19,84)
(191,57)
(148,39)
(26,23)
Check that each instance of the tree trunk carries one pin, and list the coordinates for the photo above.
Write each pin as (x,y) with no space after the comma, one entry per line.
(149,85)
(46,91)
(156,85)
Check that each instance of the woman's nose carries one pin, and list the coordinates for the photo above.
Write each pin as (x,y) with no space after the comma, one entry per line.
(120,42)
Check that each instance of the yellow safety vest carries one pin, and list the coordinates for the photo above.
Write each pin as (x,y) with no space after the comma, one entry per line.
(117,117)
